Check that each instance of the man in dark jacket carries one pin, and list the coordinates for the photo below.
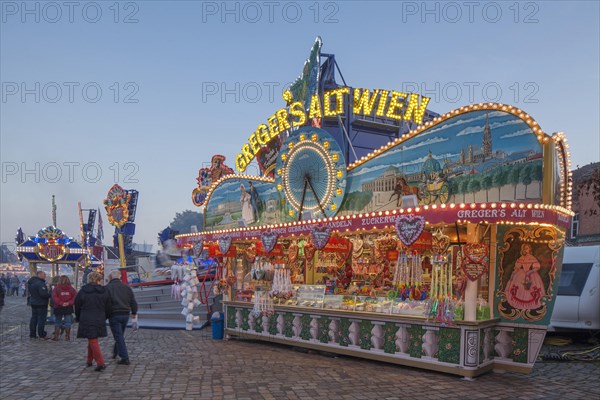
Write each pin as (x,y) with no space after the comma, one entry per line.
(39,295)
(86,272)
(124,303)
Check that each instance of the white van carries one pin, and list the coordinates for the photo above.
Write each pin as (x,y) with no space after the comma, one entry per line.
(578,301)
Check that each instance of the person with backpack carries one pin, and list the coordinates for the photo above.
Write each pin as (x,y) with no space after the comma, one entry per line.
(63,298)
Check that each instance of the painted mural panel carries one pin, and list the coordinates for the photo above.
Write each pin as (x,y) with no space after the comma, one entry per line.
(477,156)
(529,266)
(238,203)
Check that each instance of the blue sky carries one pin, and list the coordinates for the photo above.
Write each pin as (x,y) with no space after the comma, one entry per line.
(542,56)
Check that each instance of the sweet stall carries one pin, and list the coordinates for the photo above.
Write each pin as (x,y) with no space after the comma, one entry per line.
(439,249)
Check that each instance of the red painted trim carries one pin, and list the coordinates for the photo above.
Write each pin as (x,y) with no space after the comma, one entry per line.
(448,215)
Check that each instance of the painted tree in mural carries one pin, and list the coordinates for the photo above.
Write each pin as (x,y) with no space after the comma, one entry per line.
(487,183)
(464,188)
(525,177)
(538,174)
(357,200)
(514,176)
(474,187)
(500,179)
(453,188)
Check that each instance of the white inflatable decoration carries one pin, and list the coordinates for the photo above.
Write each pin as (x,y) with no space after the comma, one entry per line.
(189,294)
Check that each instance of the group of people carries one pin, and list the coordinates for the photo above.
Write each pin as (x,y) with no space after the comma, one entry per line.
(92,306)
(12,284)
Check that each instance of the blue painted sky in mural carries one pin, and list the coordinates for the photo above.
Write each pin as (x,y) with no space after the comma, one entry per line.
(445,141)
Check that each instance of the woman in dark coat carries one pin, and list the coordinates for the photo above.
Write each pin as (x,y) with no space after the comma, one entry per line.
(92,307)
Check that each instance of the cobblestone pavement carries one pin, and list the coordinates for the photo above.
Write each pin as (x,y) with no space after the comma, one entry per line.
(189,365)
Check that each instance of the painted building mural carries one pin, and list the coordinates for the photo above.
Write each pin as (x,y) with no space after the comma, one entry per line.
(478,156)
(475,157)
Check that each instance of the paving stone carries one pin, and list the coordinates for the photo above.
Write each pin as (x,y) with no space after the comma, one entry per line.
(189,365)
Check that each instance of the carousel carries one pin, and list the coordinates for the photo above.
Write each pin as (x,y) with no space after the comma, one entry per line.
(439,249)
(52,247)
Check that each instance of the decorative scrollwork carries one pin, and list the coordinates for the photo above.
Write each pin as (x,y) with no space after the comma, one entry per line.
(527,272)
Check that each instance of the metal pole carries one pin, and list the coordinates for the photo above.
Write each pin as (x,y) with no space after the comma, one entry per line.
(122,258)
(53,212)
(340,123)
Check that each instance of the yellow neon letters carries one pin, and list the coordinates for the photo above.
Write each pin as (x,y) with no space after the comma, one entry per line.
(397,106)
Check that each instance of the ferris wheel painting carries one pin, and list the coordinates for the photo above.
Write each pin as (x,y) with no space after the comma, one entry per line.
(311,174)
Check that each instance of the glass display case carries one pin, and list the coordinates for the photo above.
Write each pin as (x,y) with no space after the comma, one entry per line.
(409,307)
(314,296)
(309,295)
(333,302)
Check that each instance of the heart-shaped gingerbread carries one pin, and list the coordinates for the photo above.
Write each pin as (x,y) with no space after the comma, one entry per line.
(269,240)
(197,246)
(409,228)
(251,253)
(474,262)
(224,244)
(474,271)
(476,252)
(320,236)
(440,243)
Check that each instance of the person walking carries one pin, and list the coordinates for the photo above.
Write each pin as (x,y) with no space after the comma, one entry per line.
(124,303)
(7,283)
(92,307)
(63,297)
(86,272)
(14,285)
(2,294)
(38,301)
(53,284)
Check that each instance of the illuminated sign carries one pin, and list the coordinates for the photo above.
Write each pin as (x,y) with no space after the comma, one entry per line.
(117,206)
(381,103)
